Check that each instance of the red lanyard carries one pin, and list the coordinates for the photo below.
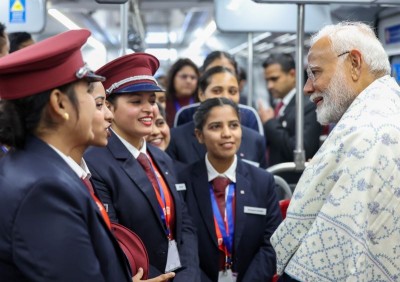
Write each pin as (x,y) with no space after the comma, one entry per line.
(164,200)
(99,204)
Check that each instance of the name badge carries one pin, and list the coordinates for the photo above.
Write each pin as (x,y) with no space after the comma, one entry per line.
(255,210)
(173,260)
(227,276)
(180,187)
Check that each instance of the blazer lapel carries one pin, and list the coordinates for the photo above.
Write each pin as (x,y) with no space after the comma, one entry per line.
(136,173)
(243,192)
(201,191)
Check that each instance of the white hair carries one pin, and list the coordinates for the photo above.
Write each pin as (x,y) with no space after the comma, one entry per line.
(346,36)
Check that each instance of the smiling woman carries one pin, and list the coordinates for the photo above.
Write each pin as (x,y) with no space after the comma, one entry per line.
(135,179)
(224,195)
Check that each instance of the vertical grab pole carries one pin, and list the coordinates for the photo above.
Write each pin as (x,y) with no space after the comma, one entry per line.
(299,154)
(124,27)
(250,69)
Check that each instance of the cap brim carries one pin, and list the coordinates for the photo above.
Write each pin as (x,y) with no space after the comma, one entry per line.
(91,76)
(140,87)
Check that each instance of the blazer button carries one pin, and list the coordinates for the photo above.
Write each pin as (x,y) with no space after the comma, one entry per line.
(161,253)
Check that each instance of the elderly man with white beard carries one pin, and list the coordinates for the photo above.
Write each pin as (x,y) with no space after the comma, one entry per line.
(343,222)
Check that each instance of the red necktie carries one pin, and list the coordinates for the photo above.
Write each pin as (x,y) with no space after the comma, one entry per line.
(145,163)
(99,204)
(277,108)
(219,185)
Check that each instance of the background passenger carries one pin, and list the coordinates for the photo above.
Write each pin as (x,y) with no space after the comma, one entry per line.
(221,191)
(248,115)
(50,229)
(19,40)
(280,123)
(184,147)
(342,223)
(181,89)
(135,180)
(4,41)
(160,136)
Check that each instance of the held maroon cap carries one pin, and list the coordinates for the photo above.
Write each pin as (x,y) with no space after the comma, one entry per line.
(45,65)
(131,73)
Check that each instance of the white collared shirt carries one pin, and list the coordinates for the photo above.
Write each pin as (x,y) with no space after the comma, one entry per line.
(286,100)
(230,173)
(132,149)
(71,163)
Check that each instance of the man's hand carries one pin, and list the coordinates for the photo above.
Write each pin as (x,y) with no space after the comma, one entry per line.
(161,278)
(265,113)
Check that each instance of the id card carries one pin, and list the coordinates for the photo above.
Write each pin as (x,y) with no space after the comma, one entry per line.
(173,261)
(226,276)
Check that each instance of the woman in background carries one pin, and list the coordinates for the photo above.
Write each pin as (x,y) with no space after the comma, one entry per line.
(181,87)
(160,135)
(184,147)
(233,204)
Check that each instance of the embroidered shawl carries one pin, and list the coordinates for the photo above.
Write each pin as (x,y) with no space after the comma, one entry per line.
(343,222)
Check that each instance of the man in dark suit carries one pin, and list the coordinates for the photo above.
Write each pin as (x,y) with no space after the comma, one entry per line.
(280,124)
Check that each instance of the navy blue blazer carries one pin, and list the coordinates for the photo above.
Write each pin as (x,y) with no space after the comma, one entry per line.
(281,133)
(254,258)
(185,148)
(50,228)
(124,188)
(248,116)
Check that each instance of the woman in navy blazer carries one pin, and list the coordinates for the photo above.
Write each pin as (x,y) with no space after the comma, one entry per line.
(50,228)
(126,190)
(218,81)
(252,212)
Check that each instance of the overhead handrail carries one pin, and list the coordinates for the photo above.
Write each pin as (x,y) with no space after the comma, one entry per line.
(285,167)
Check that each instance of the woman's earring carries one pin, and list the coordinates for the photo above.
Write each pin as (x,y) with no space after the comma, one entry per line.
(66,116)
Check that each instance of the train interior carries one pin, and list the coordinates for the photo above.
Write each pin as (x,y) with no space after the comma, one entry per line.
(171,29)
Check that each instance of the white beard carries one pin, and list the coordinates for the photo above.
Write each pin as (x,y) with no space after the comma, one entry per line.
(337,98)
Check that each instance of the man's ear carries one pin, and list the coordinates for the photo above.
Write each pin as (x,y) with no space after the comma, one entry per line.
(356,63)
(199,135)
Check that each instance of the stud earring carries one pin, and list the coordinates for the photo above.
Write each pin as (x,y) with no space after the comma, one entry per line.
(66,116)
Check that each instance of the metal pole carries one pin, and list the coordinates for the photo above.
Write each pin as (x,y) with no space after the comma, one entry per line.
(124,28)
(250,69)
(299,154)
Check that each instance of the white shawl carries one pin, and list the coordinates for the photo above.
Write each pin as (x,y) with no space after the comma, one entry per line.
(343,222)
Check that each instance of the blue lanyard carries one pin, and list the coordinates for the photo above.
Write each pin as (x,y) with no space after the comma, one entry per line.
(227,237)
(162,214)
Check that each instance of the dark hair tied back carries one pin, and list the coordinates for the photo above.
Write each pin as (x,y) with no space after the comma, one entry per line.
(203,111)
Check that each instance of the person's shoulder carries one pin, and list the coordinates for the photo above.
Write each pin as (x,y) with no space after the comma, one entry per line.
(184,129)
(250,133)
(188,170)
(158,153)
(94,152)
(255,172)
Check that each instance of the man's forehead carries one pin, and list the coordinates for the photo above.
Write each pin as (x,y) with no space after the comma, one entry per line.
(321,50)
